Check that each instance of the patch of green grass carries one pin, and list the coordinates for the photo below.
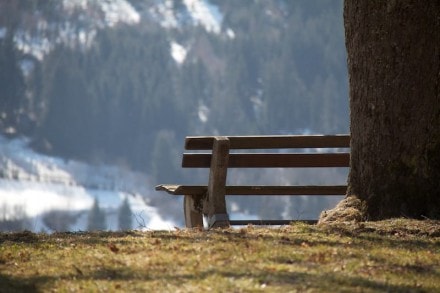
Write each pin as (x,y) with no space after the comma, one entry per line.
(396,256)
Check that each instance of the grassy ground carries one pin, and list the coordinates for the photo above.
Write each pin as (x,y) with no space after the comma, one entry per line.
(394,256)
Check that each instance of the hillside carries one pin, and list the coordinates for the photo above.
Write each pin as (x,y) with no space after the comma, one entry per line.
(389,256)
(124,81)
(120,83)
(46,193)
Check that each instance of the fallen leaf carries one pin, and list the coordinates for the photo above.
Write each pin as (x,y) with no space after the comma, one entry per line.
(113,248)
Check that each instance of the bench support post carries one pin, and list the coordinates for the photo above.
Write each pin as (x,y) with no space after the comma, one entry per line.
(216,202)
(193,211)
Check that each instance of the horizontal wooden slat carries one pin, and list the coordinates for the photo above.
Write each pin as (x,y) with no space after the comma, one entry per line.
(182,189)
(271,142)
(257,190)
(255,160)
(286,190)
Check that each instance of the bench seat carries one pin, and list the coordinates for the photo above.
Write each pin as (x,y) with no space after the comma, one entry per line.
(256,190)
(195,193)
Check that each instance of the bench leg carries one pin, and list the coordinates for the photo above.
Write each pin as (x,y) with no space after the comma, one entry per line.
(217,214)
(193,214)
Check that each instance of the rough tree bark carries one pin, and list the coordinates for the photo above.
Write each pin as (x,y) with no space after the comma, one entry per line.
(394,71)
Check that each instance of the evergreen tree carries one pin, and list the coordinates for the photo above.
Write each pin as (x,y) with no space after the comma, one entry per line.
(17,220)
(11,82)
(165,157)
(96,220)
(59,220)
(125,216)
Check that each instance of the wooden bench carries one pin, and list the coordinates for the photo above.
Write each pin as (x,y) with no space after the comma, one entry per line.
(210,199)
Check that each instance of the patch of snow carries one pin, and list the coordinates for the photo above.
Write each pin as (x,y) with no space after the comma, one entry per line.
(71,5)
(178,52)
(157,223)
(35,46)
(257,105)
(203,112)
(86,38)
(198,13)
(115,11)
(27,66)
(234,207)
(163,12)
(37,198)
(119,11)
(230,33)
(205,14)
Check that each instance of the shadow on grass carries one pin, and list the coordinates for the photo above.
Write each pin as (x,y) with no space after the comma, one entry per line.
(287,280)
(70,237)
(331,237)
(394,237)
(334,237)
(15,284)
(19,237)
(299,280)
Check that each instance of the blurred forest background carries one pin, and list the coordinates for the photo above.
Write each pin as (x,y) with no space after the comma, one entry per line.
(123,82)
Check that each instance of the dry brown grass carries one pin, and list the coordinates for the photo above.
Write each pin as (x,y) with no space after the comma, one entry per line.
(394,256)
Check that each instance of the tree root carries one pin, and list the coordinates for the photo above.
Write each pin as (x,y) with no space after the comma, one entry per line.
(350,209)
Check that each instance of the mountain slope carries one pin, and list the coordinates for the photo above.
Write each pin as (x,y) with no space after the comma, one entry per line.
(122,83)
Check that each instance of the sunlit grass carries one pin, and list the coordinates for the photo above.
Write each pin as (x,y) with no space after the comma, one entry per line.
(395,255)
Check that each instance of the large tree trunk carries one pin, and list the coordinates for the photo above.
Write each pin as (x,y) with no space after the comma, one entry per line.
(394,69)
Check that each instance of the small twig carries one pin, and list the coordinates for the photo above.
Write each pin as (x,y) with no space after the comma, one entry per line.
(140,220)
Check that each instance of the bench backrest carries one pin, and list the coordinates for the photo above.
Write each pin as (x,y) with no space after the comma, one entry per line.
(270,160)
(271,142)
(220,159)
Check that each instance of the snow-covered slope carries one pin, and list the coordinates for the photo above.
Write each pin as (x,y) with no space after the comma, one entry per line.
(37,35)
(35,184)
(193,12)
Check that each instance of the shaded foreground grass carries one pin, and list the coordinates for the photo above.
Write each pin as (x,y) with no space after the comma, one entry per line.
(395,256)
